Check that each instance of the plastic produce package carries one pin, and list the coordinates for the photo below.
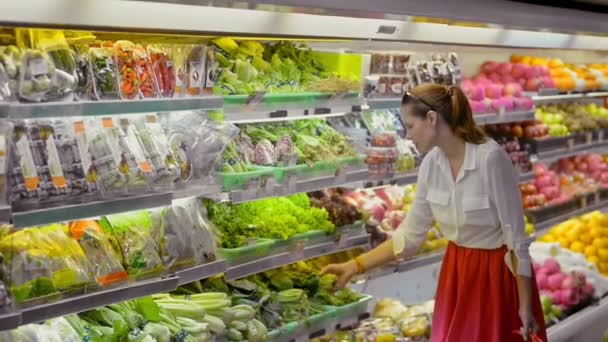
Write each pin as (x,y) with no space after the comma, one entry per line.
(105,262)
(137,164)
(105,153)
(195,63)
(39,266)
(128,77)
(159,151)
(10,64)
(6,132)
(84,77)
(147,81)
(211,138)
(104,72)
(24,179)
(183,234)
(64,79)
(35,76)
(131,235)
(163,68)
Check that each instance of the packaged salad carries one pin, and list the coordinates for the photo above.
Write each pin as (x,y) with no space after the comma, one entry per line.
(35,76)
(104,72)
(106,156)
(83,89)
(130,234)
(179,54)
(164,71)
(6,133)
(11,58)
(50,169)
(64,79)
(138,166)
(75,158)
(42,265)
(128,78)
(24,178)
(183,234)
(106,263)
(157,147)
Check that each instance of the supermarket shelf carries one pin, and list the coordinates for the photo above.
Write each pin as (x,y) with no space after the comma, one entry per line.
(507,117)
(526,177)
(330,325)
(109,107)
(283,107)
(289,257)
(544,225)
(404,266)
(586,325)
(294,187)
(34,217)
(201,272)
(480,119)
(551,156)
(9,319)
(567,97)
(92,300)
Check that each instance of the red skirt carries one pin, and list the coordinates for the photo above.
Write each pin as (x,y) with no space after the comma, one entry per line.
(477,298)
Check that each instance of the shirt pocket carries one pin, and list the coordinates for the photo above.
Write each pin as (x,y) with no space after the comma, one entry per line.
(439,201)
(478,212)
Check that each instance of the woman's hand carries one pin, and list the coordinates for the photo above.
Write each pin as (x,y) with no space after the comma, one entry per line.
(529,324)
(344,272)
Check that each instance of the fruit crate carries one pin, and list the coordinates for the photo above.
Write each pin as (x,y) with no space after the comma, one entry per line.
(260,248)
(541,214)
(254,177)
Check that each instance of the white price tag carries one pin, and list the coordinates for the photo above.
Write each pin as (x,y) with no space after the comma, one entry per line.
(584,201)
(596,197)
(297,249)
(292,184)
(501,111)
(570,143)
(342,240)
(600,135)
(340,176)
(39,66)
(588,138)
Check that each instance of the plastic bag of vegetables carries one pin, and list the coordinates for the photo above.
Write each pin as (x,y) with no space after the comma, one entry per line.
(130,234)
(64,79)
(158,149)
(184,236)
(35,76)
(212,137)
(10,64)
(105,262)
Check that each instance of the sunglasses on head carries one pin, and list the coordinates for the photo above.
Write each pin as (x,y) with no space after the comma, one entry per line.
(408,94)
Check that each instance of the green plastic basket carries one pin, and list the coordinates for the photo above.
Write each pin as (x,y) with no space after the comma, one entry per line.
(286,98)
(284,332)
(238,181)
(261,248)
(323,320)
(354,309)
(352,162)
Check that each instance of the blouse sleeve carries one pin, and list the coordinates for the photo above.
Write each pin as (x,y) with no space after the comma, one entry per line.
(505,195)
(413,229)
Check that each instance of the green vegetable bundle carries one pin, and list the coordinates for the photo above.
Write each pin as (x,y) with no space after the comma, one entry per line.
(275,218)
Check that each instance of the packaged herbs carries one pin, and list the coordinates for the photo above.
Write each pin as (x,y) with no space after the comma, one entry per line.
(104,72)
(35,76)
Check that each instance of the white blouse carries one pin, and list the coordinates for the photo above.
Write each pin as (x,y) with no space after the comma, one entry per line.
(482,209)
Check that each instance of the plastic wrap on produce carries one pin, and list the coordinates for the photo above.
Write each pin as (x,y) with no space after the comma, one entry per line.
(182,234)
(131,235)
(64,78)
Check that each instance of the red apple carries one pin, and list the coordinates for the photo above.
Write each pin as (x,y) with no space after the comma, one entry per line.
(518,70)
(488,67)
(532,84)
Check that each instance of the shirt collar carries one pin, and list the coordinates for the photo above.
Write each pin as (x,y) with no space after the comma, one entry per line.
(469,163)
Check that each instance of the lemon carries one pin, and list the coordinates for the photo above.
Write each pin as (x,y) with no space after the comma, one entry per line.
(595,232)
(603,242)
(594,260)
(603,254)
(590,251)
(564,242)
(577,247)
(585,238)
(597,243)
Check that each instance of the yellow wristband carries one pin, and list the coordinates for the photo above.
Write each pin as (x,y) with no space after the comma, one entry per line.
(360,265)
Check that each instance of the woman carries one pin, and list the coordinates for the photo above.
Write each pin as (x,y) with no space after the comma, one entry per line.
(466,182)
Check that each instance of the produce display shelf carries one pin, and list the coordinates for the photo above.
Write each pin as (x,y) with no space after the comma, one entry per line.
(92,300)
(403,266)
(588,324)
(294,186)
(543,226)
(506,117)
(107,107)
(9,319)
(480,119)
(199,272)
(552,156)
(27,217)
(297,252)
(242,109)
(526,177)
(540,98)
